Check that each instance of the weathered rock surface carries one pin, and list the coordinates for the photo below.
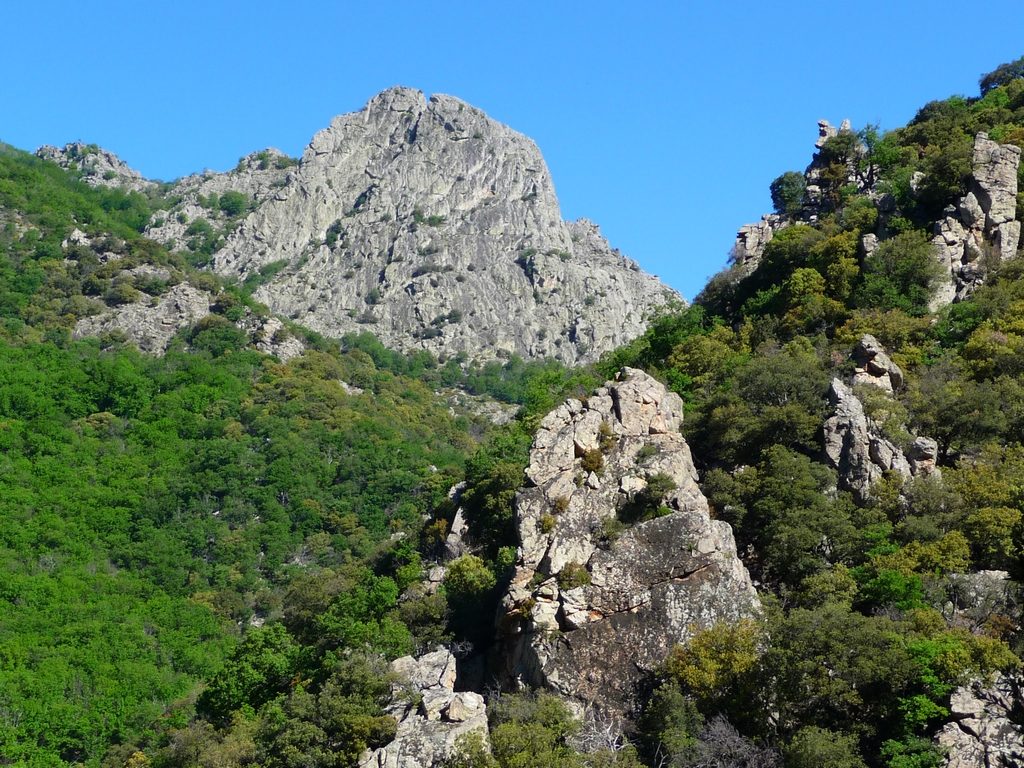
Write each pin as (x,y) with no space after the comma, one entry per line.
(430,724)
(432,225)
(874,366)
(986,729)
(751,240)
(982,223)
(976,598)
(854,444)
(598,601)
(149,324)
(855,447)
(258,176)
(97,166)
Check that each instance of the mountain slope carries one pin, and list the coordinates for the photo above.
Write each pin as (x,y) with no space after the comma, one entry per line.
(433,226)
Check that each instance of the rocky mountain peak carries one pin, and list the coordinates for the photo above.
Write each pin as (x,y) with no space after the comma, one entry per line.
(432,225)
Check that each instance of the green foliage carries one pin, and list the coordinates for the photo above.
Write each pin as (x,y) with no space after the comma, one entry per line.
(1002,75)
(468,577)
(259,669)
(233,203)
(900,274)
(533,731)
(813,747)
(716,664)
(788,193)
(573,575)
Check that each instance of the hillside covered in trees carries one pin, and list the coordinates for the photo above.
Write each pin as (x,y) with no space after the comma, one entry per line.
(213,556)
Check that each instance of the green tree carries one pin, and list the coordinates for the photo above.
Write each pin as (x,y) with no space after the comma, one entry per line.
(788,193)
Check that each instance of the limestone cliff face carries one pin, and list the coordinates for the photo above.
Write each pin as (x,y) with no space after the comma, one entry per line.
(433,226)
(619,558)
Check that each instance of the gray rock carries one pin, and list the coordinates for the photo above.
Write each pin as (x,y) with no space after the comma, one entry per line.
(646,587)
(151,323)
(985,730)
(97,166)
(923,455)
(431,716)
(975,598)
(751,240)
(150,326)
(826,131)
(874,366)
(855,447)
(431,225)
(259,176)
(982,222)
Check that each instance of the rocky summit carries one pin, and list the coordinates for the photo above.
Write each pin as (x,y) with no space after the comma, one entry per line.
(433,226)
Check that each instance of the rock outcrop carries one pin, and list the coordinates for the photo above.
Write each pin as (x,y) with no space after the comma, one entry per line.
(986,730)
(431,225)
(855,447)
(96,166)
(977,230)
(874,366)
(982,224)
(150,324)
(619,559)
(257,177)
(432,718)
(751,240)
(151,303)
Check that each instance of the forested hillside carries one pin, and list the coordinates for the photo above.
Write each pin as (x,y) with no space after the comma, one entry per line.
(212,557)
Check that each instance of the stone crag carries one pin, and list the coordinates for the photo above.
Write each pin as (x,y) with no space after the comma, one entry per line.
(431,715)
(976,231)
(96,166)
(981,227)
(431,225)
(420,220)
(619,558)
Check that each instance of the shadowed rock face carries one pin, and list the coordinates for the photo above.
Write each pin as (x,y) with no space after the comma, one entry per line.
(435,227)
(592,610)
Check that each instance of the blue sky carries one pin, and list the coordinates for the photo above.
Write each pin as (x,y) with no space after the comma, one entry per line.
(663,122)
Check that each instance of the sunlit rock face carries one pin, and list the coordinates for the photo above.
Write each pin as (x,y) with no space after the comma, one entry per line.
(613,573)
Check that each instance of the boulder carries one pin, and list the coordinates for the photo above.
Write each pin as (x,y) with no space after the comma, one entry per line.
(874,366)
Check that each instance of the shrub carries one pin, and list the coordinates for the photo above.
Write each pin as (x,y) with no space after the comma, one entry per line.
(468,576)
(788,192)
(573,575)
(647,451)
(592,461)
